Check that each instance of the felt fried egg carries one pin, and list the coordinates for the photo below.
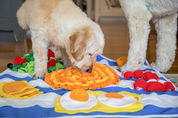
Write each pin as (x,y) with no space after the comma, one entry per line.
(116,100)
(18,89)
(78,99)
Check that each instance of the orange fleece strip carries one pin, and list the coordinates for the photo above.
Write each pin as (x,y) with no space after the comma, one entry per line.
(71,79)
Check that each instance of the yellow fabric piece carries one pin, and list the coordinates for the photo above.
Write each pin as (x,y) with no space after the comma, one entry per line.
(102,107)
(18,89)
(100,77)
(121,61)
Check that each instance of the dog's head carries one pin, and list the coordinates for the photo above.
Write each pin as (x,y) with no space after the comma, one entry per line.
(83,47)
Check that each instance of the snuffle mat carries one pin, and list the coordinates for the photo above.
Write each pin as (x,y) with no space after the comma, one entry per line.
(44,100)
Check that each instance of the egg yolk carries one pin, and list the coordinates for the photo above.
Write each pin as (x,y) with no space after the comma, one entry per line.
(79,95)
(13,86)
(18,89)
(121,61)
(114,95)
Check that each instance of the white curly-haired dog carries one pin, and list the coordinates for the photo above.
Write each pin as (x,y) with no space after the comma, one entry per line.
(62,24)
(163,13)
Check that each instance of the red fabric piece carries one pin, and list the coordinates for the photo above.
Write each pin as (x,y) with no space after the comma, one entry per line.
(155,86)
(51,63)
(18,60)
(168,86)
(50,54)
(155,76)
(139,74)
(128,74)
(141,83)
(149,75)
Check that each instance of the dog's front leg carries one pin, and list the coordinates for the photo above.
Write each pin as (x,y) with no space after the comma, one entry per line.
(138,22)
(166,28)
(39,47)
(65,58)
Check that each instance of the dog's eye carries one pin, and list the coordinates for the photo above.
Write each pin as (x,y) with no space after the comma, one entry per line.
(90,54)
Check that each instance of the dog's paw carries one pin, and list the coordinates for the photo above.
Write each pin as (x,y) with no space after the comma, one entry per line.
(153,65)
(130,67)
(39,74)
(160,68)
(124,68)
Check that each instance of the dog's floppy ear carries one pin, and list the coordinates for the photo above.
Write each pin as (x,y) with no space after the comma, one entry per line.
(113,3)
(77,44)
(94,60)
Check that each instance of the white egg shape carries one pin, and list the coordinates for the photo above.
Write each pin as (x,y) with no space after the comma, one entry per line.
(70,104)
(114,102)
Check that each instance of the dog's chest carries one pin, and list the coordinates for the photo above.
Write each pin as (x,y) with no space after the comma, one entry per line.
(55,36)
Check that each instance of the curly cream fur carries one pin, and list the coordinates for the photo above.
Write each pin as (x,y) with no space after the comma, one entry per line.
(139,13)
(53,23)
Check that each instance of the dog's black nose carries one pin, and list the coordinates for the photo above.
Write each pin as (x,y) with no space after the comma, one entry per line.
(88,70)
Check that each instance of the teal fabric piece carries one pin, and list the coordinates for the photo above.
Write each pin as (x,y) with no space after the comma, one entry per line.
(58,65)
(21,71)
(28,66)
(29,57)
(60,62)
(51,69)
(52,58)
(15,68)
(31,71)
(23,65)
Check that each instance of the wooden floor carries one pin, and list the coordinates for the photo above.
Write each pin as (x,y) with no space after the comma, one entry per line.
(116,44)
